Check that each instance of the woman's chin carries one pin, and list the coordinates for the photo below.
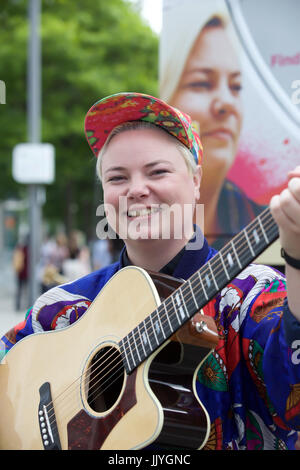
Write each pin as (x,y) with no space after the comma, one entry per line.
(218,158)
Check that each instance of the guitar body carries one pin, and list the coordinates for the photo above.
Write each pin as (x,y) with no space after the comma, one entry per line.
(47,381)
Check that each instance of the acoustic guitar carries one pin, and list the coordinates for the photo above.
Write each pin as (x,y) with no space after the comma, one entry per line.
(123,376)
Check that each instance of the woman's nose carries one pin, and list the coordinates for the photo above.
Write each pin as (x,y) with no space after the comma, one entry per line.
(138,188)
(224,102)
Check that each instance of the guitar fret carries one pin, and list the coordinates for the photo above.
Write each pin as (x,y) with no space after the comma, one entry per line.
(242,245)
(217,287)
(219,271)
(168,317)
(236,255)
(136,348)
(159,331)
(129,344)
(256,236)
(258,239)
(272,231)
(202,285)
(165,325)
(248,241)
(142,342)
(175,310)
(207,279)
(179,300)
(153,329)
(146,336)
(184,304)
(161,327)
(221,257)
(123,350)
(146,342)
(229,261)
(262,228)
(194,299)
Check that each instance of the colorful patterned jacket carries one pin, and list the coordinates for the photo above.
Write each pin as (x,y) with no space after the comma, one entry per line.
(250,384)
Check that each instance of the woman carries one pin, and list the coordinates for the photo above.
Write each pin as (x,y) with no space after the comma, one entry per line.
(207,85)
(149,160)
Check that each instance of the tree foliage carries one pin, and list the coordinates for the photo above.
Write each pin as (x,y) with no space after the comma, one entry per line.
(90,49)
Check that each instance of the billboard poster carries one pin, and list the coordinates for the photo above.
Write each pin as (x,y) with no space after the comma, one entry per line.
(234,67)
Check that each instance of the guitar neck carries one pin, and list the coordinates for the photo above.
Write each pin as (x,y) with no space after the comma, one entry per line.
(198,290)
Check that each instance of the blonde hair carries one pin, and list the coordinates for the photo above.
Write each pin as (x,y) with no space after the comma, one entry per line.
(133,125)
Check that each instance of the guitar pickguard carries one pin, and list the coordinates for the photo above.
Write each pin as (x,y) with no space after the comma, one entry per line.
(88,432)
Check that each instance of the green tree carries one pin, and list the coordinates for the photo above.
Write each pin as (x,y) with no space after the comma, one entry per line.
(90,48)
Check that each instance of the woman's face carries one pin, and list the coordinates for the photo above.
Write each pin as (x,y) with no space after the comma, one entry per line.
(210,92)
(144,177)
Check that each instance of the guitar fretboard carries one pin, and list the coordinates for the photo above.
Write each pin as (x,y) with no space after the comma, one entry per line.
(198,290)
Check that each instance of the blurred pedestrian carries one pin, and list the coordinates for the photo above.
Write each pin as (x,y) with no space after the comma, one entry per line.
(20,264)
(78,262)
(101,255)
(53,254)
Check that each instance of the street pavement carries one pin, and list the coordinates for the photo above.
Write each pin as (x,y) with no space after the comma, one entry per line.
(9,317)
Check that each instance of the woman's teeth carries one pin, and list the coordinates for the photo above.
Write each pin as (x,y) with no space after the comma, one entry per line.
(142,212)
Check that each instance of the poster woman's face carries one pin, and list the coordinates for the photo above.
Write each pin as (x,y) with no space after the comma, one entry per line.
(210,92)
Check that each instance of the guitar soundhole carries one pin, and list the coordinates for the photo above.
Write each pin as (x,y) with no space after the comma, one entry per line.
(105,379)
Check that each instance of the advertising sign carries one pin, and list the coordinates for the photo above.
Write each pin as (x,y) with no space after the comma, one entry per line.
(234,67)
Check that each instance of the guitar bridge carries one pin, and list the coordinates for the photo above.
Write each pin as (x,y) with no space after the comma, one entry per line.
(47,420)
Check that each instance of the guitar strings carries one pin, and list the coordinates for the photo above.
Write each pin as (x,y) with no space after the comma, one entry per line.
(115,351)
(101,362)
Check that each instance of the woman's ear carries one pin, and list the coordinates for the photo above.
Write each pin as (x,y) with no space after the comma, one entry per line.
(197,181)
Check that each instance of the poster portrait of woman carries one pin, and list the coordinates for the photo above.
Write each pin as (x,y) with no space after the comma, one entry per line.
(203,72)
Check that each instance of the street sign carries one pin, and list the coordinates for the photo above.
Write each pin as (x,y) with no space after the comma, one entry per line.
(33,163)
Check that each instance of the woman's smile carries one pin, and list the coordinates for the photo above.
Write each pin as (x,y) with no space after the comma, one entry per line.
(146,212)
